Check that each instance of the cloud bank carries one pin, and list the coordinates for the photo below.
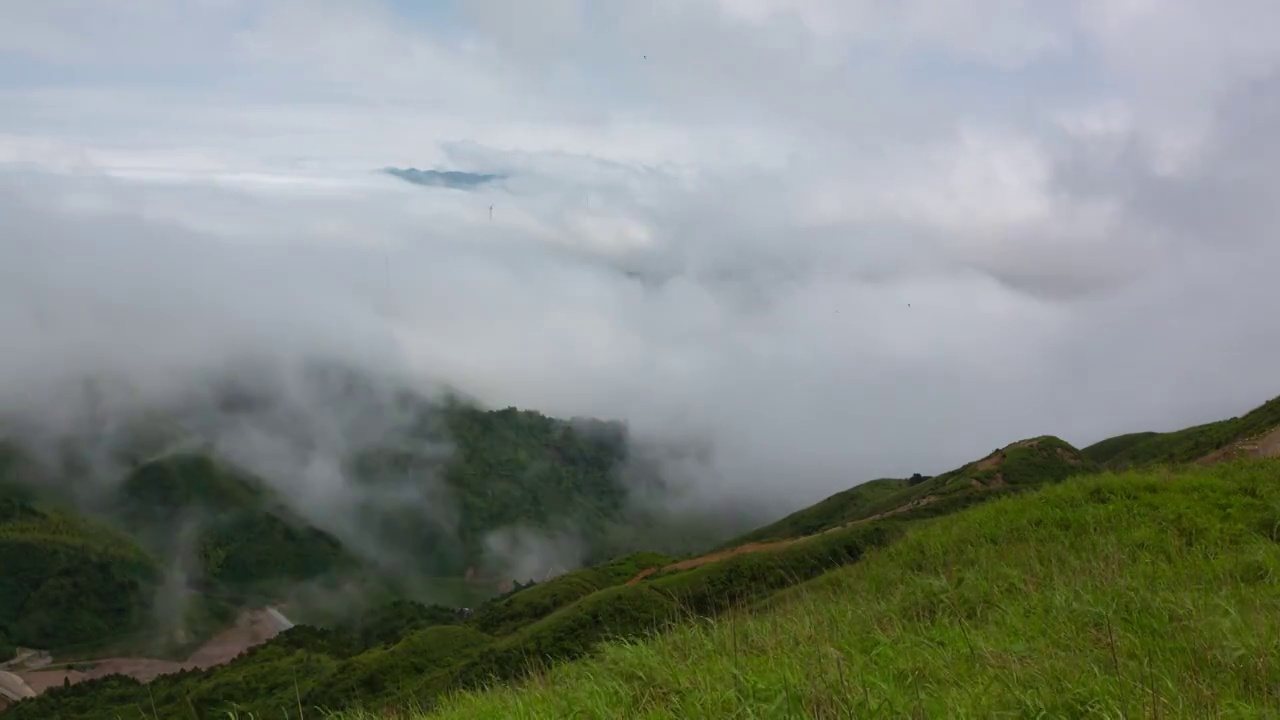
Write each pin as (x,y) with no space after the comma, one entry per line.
(834,240)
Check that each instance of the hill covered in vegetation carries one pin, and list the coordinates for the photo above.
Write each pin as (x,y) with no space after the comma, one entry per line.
(169,537)
(1019,466)
(1145,449)
(1138,594)
(66,579)
(1036,579)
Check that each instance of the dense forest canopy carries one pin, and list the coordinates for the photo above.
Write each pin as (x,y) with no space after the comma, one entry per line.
(97,527)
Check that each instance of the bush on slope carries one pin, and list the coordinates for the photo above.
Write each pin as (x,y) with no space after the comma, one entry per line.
(1149,594)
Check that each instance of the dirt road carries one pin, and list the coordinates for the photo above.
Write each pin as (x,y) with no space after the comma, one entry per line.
(252,628)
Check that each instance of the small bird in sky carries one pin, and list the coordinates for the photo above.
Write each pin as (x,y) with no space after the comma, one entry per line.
(490,212)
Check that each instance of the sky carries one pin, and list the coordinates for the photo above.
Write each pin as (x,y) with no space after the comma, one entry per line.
(837,239)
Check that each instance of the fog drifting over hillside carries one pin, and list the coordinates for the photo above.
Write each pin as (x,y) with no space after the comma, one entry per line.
(832,240)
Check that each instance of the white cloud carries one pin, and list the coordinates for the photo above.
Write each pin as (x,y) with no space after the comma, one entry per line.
(130,32)
(1075,200)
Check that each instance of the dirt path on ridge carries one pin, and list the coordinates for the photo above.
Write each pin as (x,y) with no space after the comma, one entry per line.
(755,547)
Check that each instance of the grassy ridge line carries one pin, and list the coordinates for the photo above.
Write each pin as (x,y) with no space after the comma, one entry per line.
(1142,594)
(1186,445)
(693,589)
(1024,463)
(1104,451)
(631,611)
(1018,466)
(837,509)
(534,603)
(331,673)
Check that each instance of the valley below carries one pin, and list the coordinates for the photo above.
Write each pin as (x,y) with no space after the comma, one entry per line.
(32,672)
(285,615)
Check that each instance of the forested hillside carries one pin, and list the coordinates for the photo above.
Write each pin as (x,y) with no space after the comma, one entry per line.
(66,579)
(98,560)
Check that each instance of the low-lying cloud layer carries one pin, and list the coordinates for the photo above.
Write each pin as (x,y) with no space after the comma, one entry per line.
(834,241)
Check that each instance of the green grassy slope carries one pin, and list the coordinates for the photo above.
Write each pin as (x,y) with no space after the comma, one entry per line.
(1145,594)
(551,621)
(1104,451)
(508,614)
(1019,466)
(843,507)
(1186,445)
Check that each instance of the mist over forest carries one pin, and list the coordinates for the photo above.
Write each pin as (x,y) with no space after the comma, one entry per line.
(378,339)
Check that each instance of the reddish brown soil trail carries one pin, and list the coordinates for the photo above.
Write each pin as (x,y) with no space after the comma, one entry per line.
(713,557)
(990,462)
(1265,445)
(252,628)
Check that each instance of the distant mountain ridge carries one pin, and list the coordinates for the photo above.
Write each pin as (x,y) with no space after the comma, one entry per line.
(455,179)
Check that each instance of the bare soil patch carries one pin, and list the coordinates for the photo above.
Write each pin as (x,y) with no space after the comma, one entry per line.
(990,462)
(1068,456)
(252,628)
(1265,445)
(41,680)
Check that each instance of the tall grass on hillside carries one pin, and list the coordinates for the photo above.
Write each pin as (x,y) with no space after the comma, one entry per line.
(1186,445)
(1134,595)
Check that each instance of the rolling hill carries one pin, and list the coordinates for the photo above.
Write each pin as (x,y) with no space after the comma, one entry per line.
(244,534)
(66,579)
(168,554)
(1139,594)
(1205,442)
(1019,466)
(1135,576)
